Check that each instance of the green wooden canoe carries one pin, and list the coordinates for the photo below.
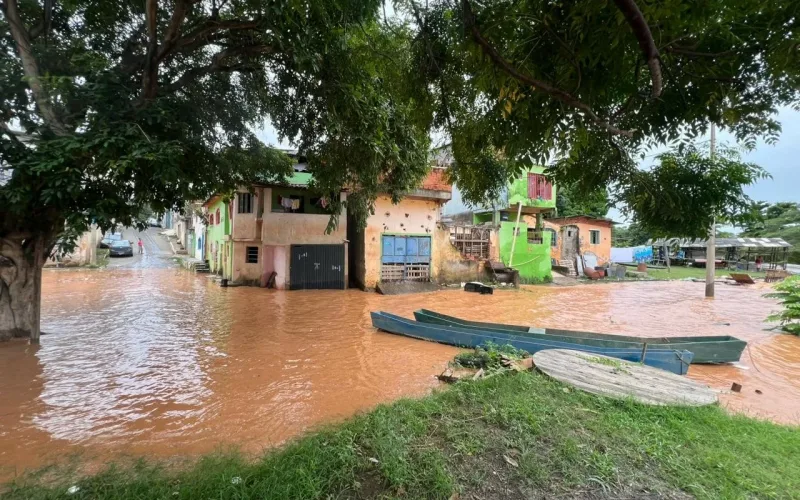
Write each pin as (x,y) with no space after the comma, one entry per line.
(707,350)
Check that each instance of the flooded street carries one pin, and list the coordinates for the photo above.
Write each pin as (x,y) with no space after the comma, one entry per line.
(158,361)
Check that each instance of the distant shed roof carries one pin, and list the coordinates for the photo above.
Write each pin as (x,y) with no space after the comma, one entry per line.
(724,242)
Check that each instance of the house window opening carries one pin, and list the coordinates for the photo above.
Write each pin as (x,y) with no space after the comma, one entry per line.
(244,203)
(594,236)
(251,255)
(553,238)
(217,216)
(539,188)
(535,237)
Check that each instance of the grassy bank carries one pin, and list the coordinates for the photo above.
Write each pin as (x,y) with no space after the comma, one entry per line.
(510,436)
(679,273)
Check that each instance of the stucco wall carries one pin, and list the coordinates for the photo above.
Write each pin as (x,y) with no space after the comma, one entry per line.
(243,226)
(297,229)
(532,261)
(411,217)
(602,250)
(243,271)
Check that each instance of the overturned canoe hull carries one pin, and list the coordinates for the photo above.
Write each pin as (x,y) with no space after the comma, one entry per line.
(666,359)
(706,349)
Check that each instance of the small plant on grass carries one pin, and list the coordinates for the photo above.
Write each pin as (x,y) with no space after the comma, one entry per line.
(788,291)
(489,356)
(618,365)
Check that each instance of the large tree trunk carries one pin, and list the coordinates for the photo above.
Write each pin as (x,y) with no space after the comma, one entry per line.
(21,262)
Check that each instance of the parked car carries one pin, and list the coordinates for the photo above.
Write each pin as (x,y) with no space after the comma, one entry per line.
(121,248)
(153,222)
(108,239)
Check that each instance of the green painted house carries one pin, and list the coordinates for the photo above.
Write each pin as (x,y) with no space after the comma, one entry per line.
(219,248)
(521,209)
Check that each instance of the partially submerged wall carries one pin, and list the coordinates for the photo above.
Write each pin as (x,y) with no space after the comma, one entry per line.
(531,260)
(450,265)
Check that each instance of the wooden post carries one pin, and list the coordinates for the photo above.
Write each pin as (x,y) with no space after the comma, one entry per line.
(514,239)
(711,244)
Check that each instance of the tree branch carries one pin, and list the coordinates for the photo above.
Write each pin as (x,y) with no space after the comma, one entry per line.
(30,68)
(182,7)
(691,53)
(552,91)
(197,37)
(217,65)
(645,38)
(150,76)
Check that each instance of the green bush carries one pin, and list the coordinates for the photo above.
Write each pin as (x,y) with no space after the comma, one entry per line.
(489,356)
(788,291)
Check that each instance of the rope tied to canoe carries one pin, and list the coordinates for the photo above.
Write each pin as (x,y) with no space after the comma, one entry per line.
(679,355)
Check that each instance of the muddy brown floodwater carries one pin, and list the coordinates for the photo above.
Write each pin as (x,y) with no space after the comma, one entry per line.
(161,362)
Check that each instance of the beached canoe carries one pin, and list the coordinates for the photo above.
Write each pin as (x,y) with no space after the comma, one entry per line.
(664,358)
(708,349)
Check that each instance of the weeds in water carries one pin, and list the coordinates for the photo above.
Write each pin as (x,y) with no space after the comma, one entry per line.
(788,291)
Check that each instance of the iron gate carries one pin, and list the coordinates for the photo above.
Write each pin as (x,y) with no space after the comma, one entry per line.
(405,258)
(316,267)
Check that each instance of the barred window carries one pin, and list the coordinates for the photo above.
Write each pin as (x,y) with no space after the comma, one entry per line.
(251,257)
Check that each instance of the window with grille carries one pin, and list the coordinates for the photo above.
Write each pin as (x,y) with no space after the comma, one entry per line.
(594,236)
(217,216)
(539,187)
(251,257)
(244,203)
(534,236)
(553,237)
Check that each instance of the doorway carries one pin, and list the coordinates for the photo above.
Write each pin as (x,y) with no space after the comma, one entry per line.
(570,240)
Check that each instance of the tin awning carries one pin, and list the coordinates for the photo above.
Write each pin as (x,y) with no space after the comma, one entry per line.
(722,242)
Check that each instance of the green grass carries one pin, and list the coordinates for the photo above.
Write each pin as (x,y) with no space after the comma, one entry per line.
(614,363)
(510,436)
(679,273)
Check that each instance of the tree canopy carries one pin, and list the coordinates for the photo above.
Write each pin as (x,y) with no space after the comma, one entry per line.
(587,86)
(570,202)
(687,190)
(629,236)
(110,107)
(152,103)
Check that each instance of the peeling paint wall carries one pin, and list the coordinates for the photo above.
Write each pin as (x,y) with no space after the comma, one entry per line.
(410,217)
(450,264)
(584,225)
(242,270)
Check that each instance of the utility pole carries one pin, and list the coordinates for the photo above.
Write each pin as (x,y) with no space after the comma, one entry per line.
(711,244)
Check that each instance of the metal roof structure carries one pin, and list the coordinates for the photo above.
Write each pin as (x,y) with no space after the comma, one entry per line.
(723,242)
